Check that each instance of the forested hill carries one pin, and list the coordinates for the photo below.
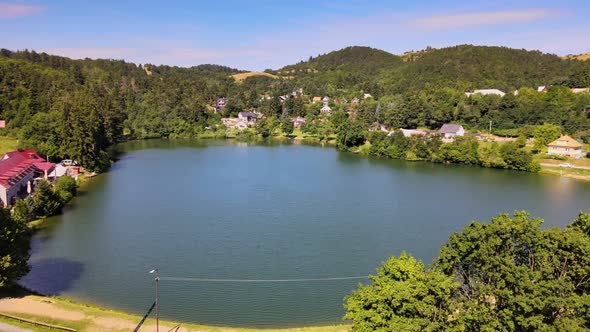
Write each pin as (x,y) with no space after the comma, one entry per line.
(354,58)
(473,67)
(78,108)
(462,67)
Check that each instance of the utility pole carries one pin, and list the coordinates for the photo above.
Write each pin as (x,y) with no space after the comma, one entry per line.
(490,127)
(157,279)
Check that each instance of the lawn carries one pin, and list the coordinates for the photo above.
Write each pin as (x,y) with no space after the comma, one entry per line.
(7,144)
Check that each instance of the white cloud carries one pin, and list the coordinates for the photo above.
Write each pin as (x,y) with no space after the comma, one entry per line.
(454,21)
(14,10)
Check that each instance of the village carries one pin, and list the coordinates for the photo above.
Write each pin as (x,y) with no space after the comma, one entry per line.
(565,146)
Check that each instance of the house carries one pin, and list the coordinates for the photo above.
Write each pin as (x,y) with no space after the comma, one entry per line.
(18,169)
(298,122)
(316,100)
(413,132)
(249,117)
(452,130)
(220,104)
(326,110)
(378,127)
(326,100)
(486,92)
(565,146)
(542,88)
(355,101)
(367,95)
(2,123)
(580,90)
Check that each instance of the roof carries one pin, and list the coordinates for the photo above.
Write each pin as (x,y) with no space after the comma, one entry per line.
(17,164)
(541,88)
(487,92)
(448,128)
(565,142)
(248,114)
(326,108)
(2,123)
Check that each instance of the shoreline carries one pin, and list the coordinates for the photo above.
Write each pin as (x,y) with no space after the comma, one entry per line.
(68,313)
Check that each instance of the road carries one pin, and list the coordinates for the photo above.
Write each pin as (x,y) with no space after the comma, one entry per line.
(557,165)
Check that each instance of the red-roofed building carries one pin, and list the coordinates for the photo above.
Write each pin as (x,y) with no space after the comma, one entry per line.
(18,169)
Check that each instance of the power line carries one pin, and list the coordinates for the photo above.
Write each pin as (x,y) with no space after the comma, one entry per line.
(260,280)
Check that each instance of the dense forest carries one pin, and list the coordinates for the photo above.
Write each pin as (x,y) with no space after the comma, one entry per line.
(79,108)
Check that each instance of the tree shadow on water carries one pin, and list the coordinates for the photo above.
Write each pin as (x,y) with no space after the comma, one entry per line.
(52,276)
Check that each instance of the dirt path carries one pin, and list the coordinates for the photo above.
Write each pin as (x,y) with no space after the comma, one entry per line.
(10,328)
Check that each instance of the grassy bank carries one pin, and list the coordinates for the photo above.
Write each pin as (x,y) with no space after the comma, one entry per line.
(63,312)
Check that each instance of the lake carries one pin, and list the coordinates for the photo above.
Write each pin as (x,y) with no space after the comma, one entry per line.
(222,209)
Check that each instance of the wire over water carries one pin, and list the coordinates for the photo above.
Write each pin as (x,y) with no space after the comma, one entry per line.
(260,280)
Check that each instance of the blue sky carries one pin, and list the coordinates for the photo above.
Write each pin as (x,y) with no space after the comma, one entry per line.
(259,34)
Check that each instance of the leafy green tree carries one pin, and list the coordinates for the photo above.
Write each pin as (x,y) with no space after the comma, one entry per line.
(351,134)
(516,277)
(403,296)
(287,127)
(66,187)
(21,212)
(15,240)
(45,202)
(545,134)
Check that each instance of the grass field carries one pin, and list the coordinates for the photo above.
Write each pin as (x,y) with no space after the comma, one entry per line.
(7,144)
(242,76)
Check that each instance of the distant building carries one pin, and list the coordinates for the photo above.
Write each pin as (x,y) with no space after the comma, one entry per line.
(298,122)
(379,127)
(486,92)
(2,123)
(565,146)
(326,110)
(542,88)
(18,169)
(580,90)
(220,104)
(367,95)
(316,100)
(326,100)
(413,132)
(355,101)
(249,117)
(451,130)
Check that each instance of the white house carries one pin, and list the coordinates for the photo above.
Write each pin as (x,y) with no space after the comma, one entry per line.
(452,130)
(249,117)
(326,109)
(413,132)
(486,92)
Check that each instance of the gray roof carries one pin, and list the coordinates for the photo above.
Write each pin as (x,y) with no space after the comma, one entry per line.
(448,128)
(249,114)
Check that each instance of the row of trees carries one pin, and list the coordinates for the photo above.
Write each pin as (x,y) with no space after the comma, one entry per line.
(507,275)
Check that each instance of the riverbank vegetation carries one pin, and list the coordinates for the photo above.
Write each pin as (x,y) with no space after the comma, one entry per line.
(506,275)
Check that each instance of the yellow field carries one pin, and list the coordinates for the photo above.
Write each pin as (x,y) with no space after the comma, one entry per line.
(583,56)
(242,76)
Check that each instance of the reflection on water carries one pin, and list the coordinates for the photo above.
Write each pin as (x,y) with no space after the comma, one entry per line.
(216,209)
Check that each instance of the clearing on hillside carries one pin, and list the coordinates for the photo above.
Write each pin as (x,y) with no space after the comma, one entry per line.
(242,76)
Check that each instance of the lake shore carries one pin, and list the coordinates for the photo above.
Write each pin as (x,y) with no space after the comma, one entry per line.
(82,317)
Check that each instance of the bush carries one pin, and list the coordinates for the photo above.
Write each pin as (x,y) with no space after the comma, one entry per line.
(66,187)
